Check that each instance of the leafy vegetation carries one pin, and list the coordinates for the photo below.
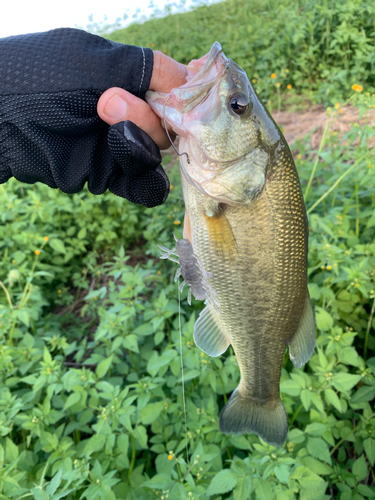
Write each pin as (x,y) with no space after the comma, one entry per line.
(320,49)
(91,395)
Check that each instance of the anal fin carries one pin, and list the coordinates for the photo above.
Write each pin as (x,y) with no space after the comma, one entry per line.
(302,344)
(208,333)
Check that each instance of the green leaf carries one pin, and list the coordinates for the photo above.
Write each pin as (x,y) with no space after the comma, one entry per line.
(332,398)
(296,436)
(323,319)
(316,429)
(359,468)
(316,492)
(11,451)
(151,412)
(345,381)
(144,330)
(316,466)
(318,448)
(73,398)
(222,482)
(95,443)
(282,473)
(317,401)
(306,398)
(57,245)
(240,442)
(243,489)
(366,491)
(290,387)
(55,483)
(263,489)
(156,362)
(103,366)
(24,317)
(239,466)
(364,394)
(306,477)
(131,342)
(47,356)
(369,446)
(371,221)
(140,434)
(82,233)
(349,356)
(189,375)
(158,482)
(40,494)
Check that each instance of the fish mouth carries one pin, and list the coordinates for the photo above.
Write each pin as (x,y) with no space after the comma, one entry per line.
(211,68)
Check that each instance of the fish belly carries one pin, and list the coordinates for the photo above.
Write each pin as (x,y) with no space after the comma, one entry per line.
(257,255)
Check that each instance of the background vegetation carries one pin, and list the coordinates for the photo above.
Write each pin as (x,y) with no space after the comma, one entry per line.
(320,48)
(91,400)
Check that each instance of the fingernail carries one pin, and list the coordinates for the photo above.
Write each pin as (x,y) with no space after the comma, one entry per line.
(116,107)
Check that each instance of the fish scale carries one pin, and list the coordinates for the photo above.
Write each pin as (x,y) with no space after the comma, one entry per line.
(247,223)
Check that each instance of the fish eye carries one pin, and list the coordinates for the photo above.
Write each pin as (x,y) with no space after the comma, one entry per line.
(239,104)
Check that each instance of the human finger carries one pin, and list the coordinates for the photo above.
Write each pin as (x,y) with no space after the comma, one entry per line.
(116,105)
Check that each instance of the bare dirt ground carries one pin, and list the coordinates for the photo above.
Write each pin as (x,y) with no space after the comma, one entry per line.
(297,125)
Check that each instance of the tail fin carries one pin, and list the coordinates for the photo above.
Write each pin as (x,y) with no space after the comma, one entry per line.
(269,420)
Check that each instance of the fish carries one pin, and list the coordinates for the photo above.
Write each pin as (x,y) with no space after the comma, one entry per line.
(246,222)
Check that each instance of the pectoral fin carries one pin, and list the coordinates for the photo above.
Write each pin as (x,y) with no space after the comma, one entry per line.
(302,344)
(221,234)
(187,228)
(208,333)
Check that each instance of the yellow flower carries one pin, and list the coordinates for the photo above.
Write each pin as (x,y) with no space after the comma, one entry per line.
(289,86)
(286,71)
(37,252)
(202,354)
(170,457)
(46,238)
(329,268)
(253,80)
(360,88)
(357,285)
(171,186)
(152,45)
(278,84)
(337,105)
(177,223)
(355,87)
(58,291)
(273,75)
(299,157)
(159,272)
(341,110)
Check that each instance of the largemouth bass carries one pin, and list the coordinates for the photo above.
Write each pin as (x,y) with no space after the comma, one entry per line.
(246,221)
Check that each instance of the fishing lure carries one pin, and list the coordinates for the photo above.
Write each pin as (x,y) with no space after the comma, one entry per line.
(192,271)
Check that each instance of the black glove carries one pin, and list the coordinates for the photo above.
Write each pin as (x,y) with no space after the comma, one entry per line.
(50,132)
(142,178)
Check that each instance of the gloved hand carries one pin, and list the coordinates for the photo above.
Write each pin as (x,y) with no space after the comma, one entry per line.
(142,178)
(50,85)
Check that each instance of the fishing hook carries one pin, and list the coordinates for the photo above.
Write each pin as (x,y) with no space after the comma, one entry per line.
(170,140)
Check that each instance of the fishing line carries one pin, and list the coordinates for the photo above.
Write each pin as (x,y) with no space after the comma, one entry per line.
(166,131)
(182,366)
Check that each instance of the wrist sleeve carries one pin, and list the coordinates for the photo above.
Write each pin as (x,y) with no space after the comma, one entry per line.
(49,87)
